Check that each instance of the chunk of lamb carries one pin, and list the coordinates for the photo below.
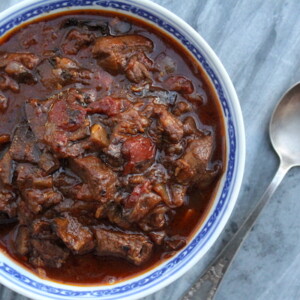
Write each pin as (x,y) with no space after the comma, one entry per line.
(20,66)
(42,229)
(162,190)
(29,60)
(100,179)
(156,219)
(138,68)
(25,215)
(23,147)
(67,126)
(171,126)
(20,73)
(37,114)
(193,166)
(66,116)
(58,72)
(65,182)
(114,213)
(139,151)
(136,248)
(113,52)
(47,253)
(172,194)
(129,122)
(68,71)
(76,40)
(38,200)
(48,162)
(37,190)
(8,205)
(22,241)
(59,120)
(109,106)
(157,237)
(77,237)
(140,202)
(72,187)
(30,176)
(7,83)
(178,193)
(190,126)
(83,210)
(175,242)
(62,144)
(182,107)
(178,84)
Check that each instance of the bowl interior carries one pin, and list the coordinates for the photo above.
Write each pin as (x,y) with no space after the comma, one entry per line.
(24,282)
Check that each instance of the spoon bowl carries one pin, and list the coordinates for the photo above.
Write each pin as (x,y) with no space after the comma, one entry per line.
(285,127)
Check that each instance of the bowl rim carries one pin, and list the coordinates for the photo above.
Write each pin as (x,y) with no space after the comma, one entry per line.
(240,147)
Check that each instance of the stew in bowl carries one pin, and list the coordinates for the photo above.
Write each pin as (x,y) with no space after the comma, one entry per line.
(120,155)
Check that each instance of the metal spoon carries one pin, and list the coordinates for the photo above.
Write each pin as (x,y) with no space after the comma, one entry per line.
(284,133)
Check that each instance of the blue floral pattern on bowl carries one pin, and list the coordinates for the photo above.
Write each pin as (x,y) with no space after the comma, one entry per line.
(125,290)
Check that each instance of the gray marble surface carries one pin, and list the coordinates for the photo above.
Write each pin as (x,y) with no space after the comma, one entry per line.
(259,45)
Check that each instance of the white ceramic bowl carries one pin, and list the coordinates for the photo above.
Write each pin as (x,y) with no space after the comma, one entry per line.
(19,279)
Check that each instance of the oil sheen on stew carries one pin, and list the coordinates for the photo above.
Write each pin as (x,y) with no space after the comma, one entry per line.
(111,147)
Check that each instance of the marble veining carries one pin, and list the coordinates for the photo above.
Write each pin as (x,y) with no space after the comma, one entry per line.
(258,43)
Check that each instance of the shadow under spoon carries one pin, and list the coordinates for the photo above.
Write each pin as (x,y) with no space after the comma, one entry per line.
(284,133)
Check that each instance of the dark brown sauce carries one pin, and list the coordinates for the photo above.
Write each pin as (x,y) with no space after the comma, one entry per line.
(90,269)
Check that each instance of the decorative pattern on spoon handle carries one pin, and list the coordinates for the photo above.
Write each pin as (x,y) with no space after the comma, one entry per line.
(206,286)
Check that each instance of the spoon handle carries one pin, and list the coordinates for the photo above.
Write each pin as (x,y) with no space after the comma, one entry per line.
(206,286)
